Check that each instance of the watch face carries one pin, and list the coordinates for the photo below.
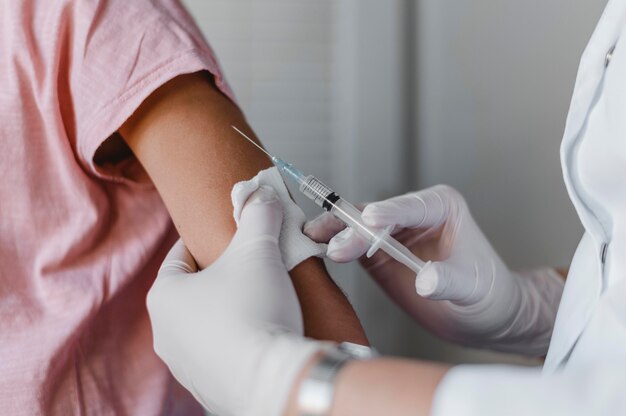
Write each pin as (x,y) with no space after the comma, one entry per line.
(356,350)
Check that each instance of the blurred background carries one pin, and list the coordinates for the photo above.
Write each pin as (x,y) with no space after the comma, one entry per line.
(380,97)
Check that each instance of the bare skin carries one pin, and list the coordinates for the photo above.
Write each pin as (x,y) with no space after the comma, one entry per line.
(182,136)
(384,386)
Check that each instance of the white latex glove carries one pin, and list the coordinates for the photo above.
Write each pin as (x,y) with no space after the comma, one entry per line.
(478,301)
(232,333)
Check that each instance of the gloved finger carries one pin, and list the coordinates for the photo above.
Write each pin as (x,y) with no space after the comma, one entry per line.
(424,209)
(322,228)
(347,246)
(442,281)
(261,218)
(178,264)
(178,261)
(240,194)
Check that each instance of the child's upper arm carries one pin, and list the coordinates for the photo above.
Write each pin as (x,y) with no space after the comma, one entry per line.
(182,136)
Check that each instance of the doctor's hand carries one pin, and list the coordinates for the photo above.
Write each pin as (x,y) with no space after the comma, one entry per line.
(232,333)
(465,293)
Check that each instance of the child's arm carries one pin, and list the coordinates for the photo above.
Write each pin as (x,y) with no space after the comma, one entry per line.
(182,136)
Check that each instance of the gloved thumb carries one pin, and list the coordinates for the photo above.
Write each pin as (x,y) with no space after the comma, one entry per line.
(261,217)
(177,265)
(441,281)
(347,246)
(178,260)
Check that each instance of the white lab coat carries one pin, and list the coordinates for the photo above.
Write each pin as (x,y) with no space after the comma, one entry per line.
(585,369)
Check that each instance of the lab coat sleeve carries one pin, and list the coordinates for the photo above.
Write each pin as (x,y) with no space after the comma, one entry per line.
(473,390)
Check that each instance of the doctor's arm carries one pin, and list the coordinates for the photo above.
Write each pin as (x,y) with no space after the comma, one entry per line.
(384,386)
(488,305)
(407,387)
(182,136)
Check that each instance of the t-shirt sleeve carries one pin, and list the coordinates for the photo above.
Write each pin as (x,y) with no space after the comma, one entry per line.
(121,52)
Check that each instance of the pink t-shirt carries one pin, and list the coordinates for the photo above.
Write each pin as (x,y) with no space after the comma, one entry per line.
(80,244)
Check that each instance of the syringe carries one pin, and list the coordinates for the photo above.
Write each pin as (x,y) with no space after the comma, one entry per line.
(326,198)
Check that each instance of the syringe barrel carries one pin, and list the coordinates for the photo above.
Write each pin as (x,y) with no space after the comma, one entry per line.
(326,198)
(351,216)
(319,193)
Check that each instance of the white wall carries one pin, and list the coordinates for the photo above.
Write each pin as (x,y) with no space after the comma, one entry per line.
(494,84)
(494,89)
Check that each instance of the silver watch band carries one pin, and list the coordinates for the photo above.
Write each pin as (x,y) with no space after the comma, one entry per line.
(317,390)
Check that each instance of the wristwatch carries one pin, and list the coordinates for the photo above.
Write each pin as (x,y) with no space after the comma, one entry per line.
(317,389)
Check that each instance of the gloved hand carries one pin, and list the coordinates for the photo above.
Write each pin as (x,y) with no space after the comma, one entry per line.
(465,293)
(232,333)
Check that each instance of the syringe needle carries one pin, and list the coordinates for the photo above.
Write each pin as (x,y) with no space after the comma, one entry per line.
(252,141)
